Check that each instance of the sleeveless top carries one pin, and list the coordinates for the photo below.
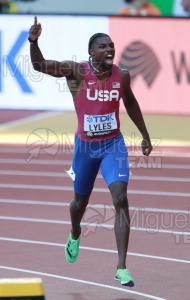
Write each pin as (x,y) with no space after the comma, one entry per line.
(97,105)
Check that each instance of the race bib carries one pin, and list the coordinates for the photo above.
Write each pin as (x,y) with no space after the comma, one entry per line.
(99,125)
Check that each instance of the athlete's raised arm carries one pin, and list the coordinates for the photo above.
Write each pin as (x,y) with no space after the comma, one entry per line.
(54,68)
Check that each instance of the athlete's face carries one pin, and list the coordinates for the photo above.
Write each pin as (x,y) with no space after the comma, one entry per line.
(103,51)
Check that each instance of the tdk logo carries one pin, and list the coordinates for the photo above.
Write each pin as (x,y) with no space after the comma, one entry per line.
(8,60)
(102,95)
(100,119)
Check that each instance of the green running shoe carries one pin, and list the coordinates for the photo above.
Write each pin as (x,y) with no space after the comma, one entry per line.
(124,277)
(72,249)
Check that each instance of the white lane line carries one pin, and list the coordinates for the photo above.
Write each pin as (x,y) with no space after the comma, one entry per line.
(103,206)
(152,230)
(158,193)
(94,249)
(136,165)
(35,161)
(63,174)
(99,190)
(160,178)
(66,150)
(83,282)
(33,173)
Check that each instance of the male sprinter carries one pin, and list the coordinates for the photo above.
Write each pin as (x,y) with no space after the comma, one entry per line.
(97,87)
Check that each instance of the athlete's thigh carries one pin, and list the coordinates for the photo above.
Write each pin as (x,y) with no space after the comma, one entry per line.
(85,168)
(115,164)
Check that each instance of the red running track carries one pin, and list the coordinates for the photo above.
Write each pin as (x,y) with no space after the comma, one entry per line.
(35,223)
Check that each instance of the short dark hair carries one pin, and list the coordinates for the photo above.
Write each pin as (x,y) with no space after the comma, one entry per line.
(94,37)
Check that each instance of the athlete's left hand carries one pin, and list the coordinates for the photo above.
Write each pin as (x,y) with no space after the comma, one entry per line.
(146,146)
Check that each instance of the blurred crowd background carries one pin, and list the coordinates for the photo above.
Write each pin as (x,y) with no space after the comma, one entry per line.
(167,8)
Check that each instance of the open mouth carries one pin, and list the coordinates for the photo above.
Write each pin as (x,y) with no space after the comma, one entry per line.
(109,59)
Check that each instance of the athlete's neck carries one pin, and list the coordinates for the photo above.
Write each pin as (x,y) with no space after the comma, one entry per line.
(99,70)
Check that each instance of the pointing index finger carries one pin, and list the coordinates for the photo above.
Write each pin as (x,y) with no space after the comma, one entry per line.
(35,21)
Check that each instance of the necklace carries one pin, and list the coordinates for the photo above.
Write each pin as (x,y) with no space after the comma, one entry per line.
(98,71)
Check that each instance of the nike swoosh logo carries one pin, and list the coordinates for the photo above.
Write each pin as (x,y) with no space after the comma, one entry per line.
(91,83)
(121,175)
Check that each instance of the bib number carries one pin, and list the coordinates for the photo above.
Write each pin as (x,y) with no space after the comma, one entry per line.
(99,125)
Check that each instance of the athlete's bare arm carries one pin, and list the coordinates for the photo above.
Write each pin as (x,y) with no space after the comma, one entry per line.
(69,69)
(134,111)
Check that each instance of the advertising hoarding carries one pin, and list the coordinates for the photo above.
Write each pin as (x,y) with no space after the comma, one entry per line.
(155,51)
